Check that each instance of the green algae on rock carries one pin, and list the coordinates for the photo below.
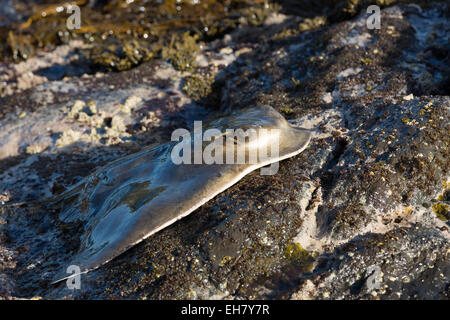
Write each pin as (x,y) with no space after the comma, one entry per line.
(442,211)
(182,51)
(198,86)
(299,256)
(120,35)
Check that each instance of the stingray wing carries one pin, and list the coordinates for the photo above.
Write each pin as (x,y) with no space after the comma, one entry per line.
(138,195)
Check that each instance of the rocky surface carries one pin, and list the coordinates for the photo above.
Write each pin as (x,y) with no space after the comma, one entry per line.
(361,213)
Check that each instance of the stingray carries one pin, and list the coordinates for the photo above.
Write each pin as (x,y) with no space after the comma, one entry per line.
(136,196)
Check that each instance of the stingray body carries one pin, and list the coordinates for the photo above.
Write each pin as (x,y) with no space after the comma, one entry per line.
(134,197)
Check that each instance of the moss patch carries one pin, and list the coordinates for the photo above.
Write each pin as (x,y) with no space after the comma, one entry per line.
(120,34)
(198,86)
(310,24)
(287,111)
(182,51)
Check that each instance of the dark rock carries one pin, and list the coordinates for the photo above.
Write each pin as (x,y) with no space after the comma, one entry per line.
(350,217)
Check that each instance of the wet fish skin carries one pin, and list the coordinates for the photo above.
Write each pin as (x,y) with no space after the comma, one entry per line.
(136,196)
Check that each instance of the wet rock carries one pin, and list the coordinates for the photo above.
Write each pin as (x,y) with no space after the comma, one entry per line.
(405,263)
(361,213)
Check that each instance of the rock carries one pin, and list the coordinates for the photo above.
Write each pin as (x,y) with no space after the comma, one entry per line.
(408,97)
(327,97)
(405,263)
(360,214)
(131,103)
(77,106)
